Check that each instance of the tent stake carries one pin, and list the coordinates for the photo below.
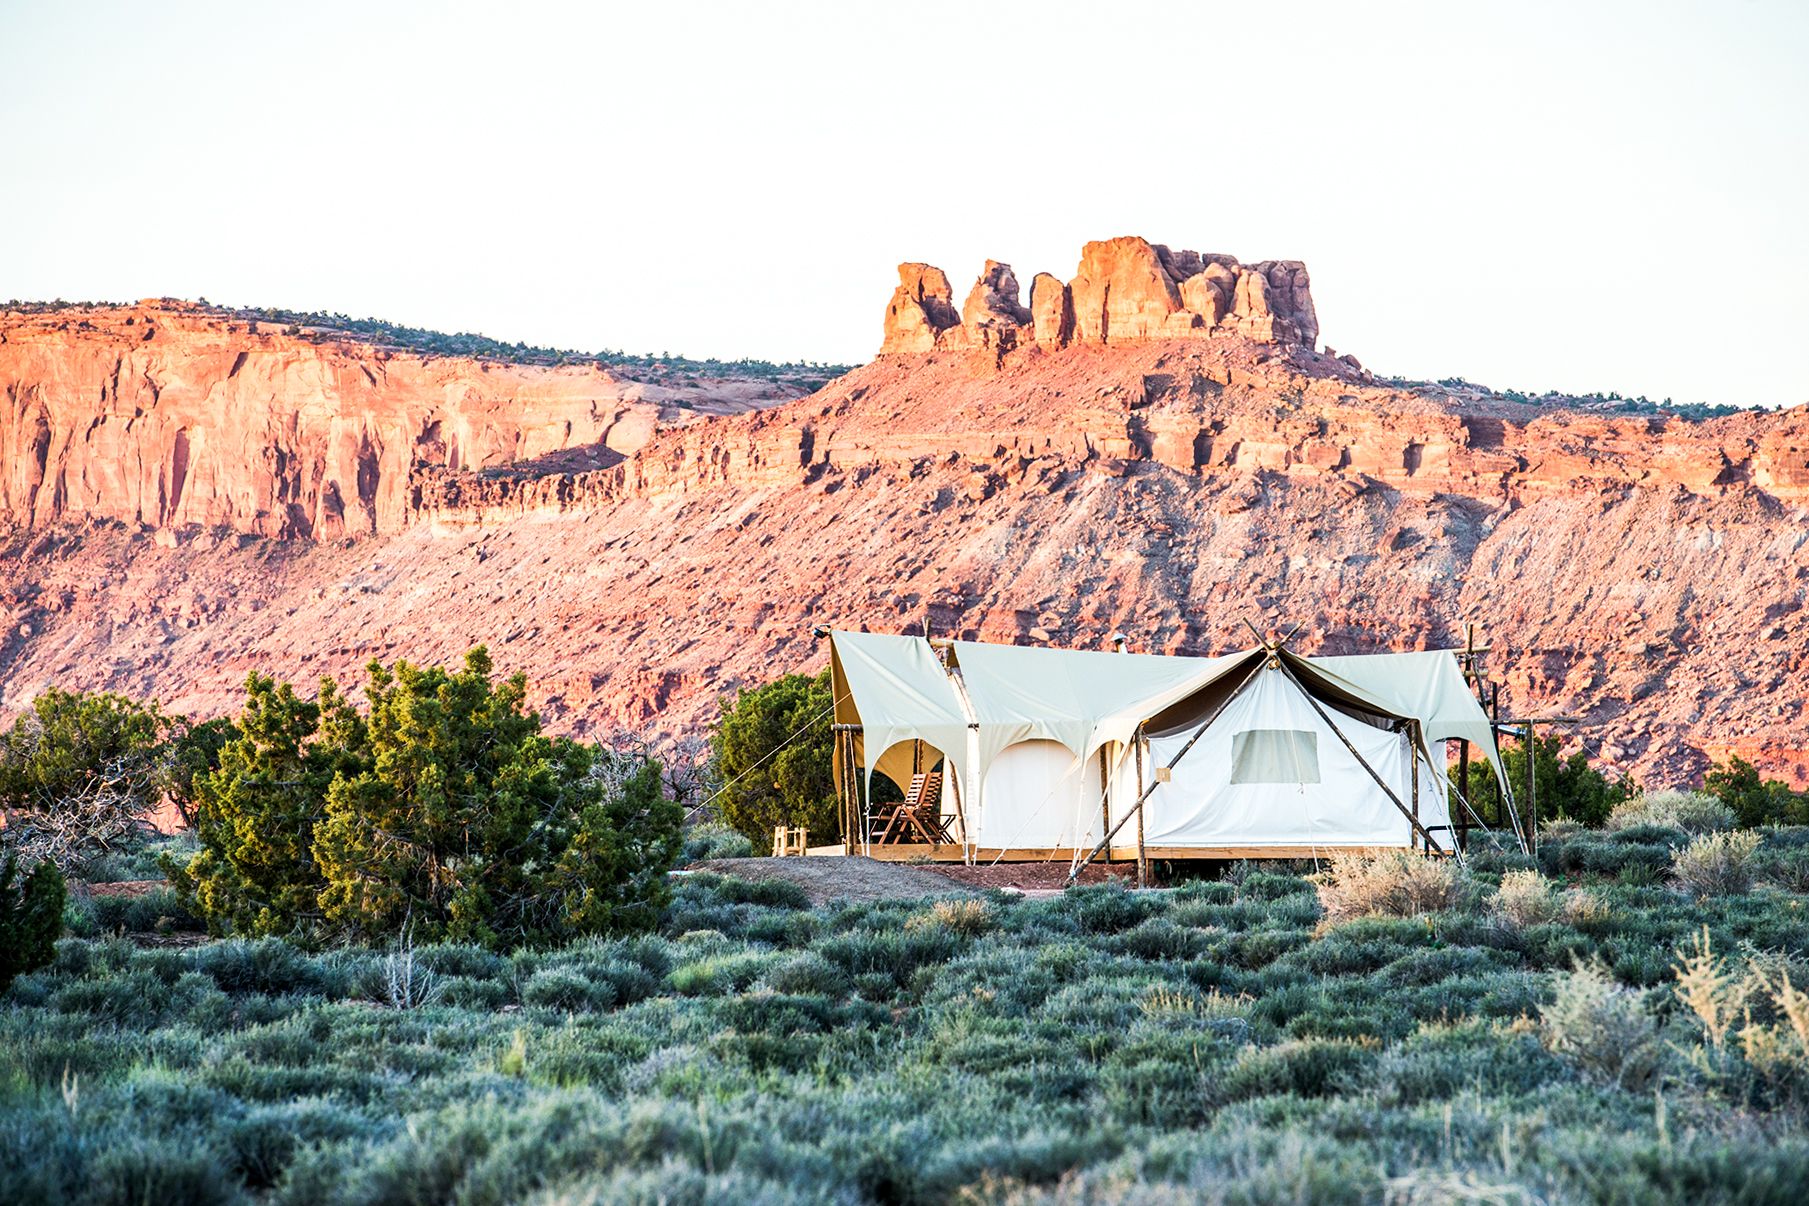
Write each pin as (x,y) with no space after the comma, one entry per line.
(1144,793)
(1364,763)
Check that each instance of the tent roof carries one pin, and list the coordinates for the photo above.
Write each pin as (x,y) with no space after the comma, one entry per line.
(1081,698)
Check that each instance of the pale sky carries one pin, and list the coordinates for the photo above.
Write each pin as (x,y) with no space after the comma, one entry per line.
(1578,196)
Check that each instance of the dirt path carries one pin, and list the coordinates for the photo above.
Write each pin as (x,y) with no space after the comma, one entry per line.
(842,878)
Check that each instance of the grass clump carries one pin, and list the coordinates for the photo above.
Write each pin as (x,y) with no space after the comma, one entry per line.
(1694,812)
(1604,1027)
(1716,864)
(1398,883)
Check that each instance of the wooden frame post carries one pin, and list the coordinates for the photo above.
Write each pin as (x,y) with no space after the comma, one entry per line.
(1532,790)
(1413,758)
(1142,851)
(1105,793)
(1463,787)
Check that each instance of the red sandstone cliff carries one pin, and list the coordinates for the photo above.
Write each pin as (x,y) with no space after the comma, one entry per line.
(176,416)
(1646,572)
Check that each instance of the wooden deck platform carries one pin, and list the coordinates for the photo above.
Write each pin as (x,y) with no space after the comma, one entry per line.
(908,852)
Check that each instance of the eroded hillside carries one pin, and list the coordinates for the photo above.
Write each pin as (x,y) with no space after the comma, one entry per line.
(1171,482)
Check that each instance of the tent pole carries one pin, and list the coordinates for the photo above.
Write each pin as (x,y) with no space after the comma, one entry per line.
(1364,763)
(1144,793)
(1142,854)
(1105,795)
(967,847)
(1413,759)
(1137,744)
(1463,777)
(1532,792)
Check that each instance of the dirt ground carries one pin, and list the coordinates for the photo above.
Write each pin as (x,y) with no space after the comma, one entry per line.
(130,887)
(858,878)
(1034,876)
(842,877)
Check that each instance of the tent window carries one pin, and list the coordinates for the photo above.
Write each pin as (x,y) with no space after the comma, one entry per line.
(1275,756)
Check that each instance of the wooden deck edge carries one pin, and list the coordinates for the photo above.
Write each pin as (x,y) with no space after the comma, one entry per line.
(904,852)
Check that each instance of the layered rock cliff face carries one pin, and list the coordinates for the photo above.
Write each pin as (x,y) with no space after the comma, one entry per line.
(1125,289)
(1646,573)
(179,417)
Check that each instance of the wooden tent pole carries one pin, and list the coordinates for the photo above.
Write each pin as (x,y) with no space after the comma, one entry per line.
(1532,792)
(1142,853)
(1144,793)
(1364,763)
(967,846)
(1105,795)
(1463,781)
(1413,758)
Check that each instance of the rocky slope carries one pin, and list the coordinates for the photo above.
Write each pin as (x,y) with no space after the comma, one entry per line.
(1644,572)
(176,416)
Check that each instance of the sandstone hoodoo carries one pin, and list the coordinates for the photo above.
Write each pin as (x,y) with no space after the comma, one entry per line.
(1124,290)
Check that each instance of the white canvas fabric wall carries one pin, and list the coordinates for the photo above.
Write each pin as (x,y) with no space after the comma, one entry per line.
(1201,806)
(1038,794)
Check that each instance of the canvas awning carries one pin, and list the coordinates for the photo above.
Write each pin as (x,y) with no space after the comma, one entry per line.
(1427,686)
(895,688)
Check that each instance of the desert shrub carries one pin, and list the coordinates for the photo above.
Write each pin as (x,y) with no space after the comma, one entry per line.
(1788,868)
(1270,885)
(713,840)
(563,988)
(1753,799)
(1399,883)
(1310,1067)
(1439,1061)
(1716,864)
(1110,908)
(1527,898)
(264,965)
(1606,1029)
(31,915)
(1641,854)
(807,973)
(1691,811)
(782,730)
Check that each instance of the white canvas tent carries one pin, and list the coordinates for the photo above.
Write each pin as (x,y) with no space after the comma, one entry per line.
(1047,751)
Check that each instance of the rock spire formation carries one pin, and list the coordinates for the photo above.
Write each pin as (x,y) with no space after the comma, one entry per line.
(1124,289)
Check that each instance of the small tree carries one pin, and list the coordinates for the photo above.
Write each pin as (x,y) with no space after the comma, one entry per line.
(772,751)
(69,738)
(1754,799)
(79,773)
(255,813)
(190,751)
(31,916)
(468,823)
(1567,787)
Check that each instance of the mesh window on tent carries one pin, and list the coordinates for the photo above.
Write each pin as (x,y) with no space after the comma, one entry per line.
(1275,756)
